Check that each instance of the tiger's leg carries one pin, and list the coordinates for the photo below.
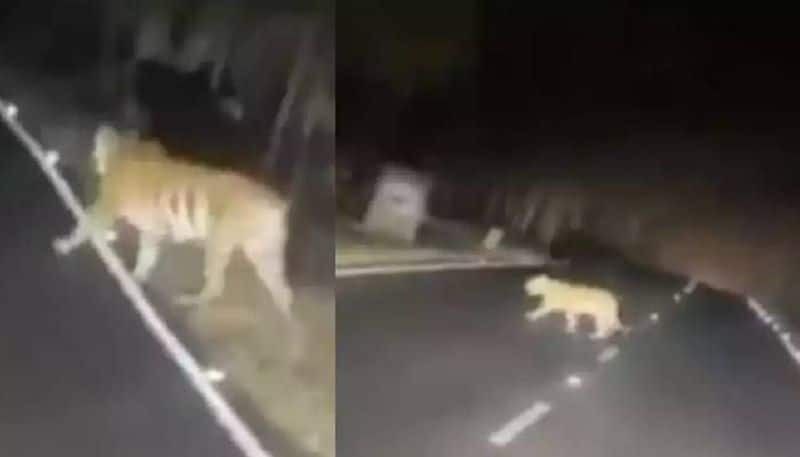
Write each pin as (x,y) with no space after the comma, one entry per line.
(97,219)
(604,326)
(538,313)
(269,264)
(146,257)
(217,256)
(601,333)
(65,244)
(572,322)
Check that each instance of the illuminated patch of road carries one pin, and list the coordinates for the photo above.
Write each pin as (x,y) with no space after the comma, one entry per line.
(533,415)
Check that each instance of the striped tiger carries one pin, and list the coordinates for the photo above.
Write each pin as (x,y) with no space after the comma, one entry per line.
(186,213)
(174,200)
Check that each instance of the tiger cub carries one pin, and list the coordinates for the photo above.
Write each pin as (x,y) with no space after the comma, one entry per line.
(575,300)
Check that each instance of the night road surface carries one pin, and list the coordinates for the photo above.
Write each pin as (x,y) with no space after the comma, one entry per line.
(81,376)
(433,364)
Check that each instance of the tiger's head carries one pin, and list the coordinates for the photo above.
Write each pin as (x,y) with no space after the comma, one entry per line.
(108,143)
(537,285)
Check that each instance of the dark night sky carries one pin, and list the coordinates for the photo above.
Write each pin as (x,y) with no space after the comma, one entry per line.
(588,80)
(659,60)
(474,77)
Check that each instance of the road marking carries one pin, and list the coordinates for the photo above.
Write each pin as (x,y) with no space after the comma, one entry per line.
(771,321)
(349,272)
(10,110)
(239,433)
(515,426)
(52,157)
(608,354)
(574,381)
(215,375)
(690,287)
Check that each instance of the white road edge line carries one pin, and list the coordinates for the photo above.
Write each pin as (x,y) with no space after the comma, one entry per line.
(238,431)
(515,426)
(783,335)
(349,272)
(690,286)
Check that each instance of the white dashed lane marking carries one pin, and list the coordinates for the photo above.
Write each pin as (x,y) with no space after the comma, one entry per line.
(517,425)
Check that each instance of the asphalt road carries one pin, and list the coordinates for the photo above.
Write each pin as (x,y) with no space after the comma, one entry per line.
(80,374)
(432,364)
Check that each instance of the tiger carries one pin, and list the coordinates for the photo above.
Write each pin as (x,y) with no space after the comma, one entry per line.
(575,300)
(169,199)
